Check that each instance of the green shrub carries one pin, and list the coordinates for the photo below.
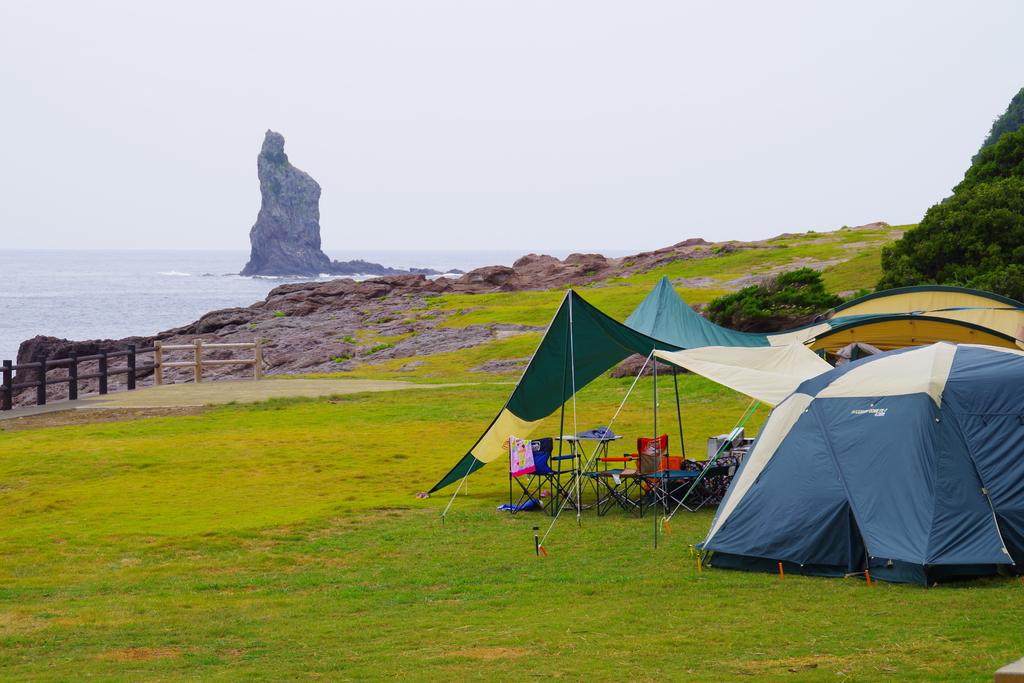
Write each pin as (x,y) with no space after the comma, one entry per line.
(377,347)
(782,302)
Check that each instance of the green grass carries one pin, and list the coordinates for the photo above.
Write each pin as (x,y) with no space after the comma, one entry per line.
(859,251)
(449,367)
(282,540)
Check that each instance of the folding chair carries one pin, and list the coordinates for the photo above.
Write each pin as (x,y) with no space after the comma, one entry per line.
(552,474)
(626,484)
(662,475)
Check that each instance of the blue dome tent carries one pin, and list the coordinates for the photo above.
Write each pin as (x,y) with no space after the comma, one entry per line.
(909,464)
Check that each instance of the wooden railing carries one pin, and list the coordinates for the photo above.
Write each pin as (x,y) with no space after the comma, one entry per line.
(198,362)
(131,368)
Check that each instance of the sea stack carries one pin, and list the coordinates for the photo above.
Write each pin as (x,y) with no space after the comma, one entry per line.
(286,237)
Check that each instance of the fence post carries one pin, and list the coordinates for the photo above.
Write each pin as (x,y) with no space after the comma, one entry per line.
(158,363)
(199,360)
(257,366)
(103,372)
(73,376)
(131,367)
(41,385)
(5,402)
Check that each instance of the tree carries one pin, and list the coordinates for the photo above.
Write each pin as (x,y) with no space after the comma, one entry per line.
(1005,159)
(1011,121)
(975,238)
(784,301)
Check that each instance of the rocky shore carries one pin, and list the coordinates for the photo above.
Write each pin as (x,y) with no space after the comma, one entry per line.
(312,327)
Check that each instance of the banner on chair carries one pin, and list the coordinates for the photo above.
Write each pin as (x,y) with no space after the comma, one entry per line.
(520,456)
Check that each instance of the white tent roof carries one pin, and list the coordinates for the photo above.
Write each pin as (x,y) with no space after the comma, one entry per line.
(767,373)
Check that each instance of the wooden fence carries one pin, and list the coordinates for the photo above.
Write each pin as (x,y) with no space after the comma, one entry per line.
(131,368)
(198,362)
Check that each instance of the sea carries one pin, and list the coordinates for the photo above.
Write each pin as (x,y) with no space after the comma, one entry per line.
(109,294)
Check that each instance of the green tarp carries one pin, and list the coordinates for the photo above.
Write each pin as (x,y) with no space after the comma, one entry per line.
(581,343)
(664,315)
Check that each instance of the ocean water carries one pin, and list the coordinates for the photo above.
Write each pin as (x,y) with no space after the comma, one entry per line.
(87,294)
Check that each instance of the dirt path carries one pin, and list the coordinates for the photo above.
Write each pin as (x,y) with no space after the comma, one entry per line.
(188,399)
(65,418)
(244,391)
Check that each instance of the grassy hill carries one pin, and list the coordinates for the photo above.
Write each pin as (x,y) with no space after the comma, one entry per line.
(282,540)
(849,258)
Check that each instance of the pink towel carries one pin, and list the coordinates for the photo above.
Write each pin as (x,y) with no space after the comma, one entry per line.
(520,457)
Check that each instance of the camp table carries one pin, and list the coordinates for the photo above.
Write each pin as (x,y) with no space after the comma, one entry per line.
(577,449)
(613,487)
(714,479)
(664,490)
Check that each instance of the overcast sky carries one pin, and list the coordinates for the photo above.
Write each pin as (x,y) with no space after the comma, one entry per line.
(499,125)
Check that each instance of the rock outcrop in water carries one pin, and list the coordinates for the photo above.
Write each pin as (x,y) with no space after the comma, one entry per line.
(286,237)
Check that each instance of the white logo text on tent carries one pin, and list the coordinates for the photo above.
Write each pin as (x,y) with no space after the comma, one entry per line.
(877,412)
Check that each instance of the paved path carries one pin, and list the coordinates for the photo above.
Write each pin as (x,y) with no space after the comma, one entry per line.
(221,391)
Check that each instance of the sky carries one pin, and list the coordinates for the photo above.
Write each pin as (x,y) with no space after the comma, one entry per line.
(520,125)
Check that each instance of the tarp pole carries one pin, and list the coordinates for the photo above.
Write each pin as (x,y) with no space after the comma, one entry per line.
(657,451)
(679,413)
(561,415)
(593,456)
(575,427)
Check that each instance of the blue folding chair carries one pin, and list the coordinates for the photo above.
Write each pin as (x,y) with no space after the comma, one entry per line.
(552,473)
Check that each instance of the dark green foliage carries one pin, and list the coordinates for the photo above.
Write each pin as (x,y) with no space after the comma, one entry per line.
(1011,120)
(974,238)
(1004,159)
(784,301)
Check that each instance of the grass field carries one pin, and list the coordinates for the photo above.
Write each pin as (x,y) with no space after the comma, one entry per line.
(283,540)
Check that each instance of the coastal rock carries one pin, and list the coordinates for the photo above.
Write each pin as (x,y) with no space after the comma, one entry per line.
(286,236)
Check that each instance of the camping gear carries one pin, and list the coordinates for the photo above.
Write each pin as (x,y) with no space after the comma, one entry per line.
(550,472)
(597,433)
(664,315)
(909,464)
(890,319)
(854,351)
(618,479)
(768,374)
(650,453)
(521,457)
(975,307)
(726,443)
(581,343)
(525,506)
